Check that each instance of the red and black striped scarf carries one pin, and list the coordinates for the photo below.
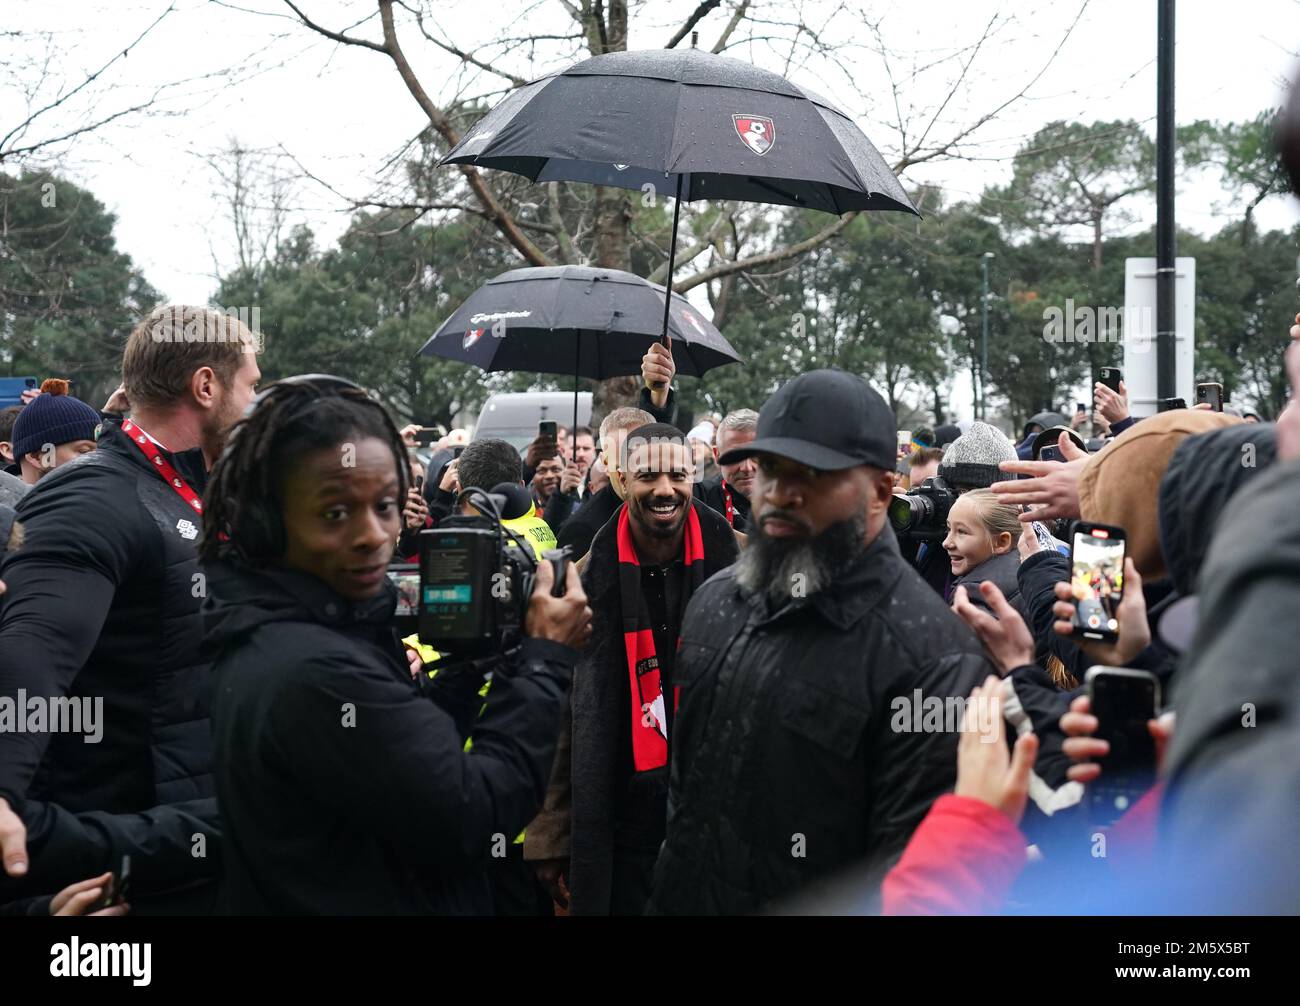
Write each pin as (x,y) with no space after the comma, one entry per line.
(649,719)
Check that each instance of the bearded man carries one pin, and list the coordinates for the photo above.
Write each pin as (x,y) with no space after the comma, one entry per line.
(791,757)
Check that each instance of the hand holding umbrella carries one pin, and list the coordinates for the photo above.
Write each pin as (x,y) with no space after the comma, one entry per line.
(657,370)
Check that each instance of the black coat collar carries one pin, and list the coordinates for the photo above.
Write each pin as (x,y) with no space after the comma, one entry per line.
(190,464)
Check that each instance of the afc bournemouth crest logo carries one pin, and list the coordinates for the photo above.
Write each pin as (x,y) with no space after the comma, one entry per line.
(757,132)
(472,336)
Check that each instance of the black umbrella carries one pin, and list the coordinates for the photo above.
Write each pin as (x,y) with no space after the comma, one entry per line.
(603,320)
(684,121)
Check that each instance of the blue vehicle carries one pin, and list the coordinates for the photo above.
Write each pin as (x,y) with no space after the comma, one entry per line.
(12,388)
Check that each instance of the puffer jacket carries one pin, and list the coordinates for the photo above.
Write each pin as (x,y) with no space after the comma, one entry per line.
(103,603)
(800,746)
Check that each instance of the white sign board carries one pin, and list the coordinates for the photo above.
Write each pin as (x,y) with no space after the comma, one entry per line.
(1139,333)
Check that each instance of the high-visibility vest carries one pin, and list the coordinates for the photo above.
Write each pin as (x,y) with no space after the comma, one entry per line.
(535,530)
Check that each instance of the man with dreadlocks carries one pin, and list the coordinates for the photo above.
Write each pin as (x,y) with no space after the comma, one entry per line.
(344,786)
(644,565)
(104,592)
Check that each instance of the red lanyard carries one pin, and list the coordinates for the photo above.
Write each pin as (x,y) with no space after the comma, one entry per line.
(731,510)
(150,450)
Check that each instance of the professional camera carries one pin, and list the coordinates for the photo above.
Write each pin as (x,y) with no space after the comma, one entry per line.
(922,514)
(475,579)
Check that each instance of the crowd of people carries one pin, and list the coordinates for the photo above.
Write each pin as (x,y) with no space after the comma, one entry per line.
(737,700)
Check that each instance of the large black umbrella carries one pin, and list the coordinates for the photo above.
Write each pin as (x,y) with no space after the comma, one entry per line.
(601,321)
(690,123)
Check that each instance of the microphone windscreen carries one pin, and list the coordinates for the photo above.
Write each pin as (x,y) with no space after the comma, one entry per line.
(519,501)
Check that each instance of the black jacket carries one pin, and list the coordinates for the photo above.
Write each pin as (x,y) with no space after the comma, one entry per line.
(559,509)
(709,492)
(794,754)
(668,414)
(1002,571)
(613,808)
(342,788)
(104,602)
(174,849)
(581,528)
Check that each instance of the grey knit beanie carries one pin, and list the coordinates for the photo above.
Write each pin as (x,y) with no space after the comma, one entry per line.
(973,458)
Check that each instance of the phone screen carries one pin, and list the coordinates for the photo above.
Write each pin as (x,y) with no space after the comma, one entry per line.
(426,435)
(406,578)
(1050,453)
(1097,579)
(548,428)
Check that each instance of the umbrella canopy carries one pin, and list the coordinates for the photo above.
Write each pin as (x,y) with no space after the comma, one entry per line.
(578,320)
(690,123)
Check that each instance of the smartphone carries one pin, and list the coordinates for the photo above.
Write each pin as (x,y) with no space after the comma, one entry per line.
(1080,407)
(1097,579)
(1169,404)
(426,435)
(549,429)
(1123,700)
(119,886)
(1111,376)
(457,451)
(405,576)
(418,484)
(1050,453)
(905,441)
(1212,393)
(30,382)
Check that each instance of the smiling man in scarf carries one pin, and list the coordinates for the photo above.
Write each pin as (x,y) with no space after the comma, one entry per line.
(644,566)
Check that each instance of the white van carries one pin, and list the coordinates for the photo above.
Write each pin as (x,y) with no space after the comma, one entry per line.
(514,417)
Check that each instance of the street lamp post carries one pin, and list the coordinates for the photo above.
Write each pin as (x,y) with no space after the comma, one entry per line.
(984,331)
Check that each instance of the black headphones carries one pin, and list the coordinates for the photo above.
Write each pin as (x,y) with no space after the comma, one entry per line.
(258,531)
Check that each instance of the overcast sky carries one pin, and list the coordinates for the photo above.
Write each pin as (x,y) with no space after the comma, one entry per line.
(342,112)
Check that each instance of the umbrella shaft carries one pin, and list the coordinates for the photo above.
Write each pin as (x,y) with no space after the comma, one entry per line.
(672,258)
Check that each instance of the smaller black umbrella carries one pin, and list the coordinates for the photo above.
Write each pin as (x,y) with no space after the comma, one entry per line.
(577,320)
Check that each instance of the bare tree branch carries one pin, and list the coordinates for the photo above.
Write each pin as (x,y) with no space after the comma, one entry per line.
(461,54)
(493,210)
(766,258)
(696,17)
(23,126)
(335,35)
(736,18)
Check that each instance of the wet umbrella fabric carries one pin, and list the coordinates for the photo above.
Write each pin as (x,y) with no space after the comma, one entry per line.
(723,128)
(686,123)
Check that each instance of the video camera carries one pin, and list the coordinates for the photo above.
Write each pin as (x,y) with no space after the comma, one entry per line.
(468,595)
(922,514)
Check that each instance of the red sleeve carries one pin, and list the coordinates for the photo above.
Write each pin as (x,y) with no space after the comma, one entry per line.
(961,860)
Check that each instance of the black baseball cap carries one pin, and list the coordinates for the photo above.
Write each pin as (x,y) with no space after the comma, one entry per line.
(826,419)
